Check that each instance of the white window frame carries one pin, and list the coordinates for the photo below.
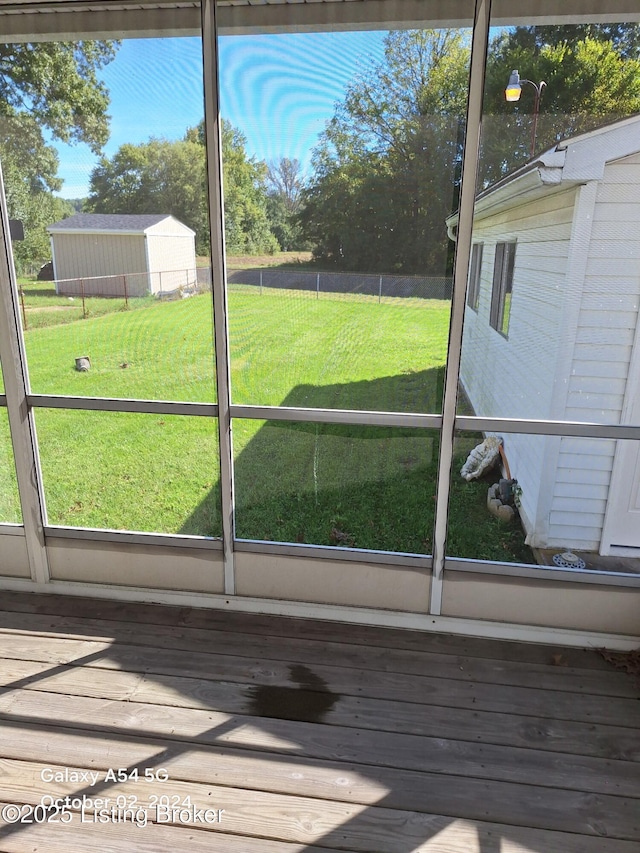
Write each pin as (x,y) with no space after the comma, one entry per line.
(503,274)
(475,276)
(173,18)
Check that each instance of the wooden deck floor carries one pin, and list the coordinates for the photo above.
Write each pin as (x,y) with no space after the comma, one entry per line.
(310,736)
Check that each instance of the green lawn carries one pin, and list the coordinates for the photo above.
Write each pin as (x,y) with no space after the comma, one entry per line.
(361,486)
(40,305)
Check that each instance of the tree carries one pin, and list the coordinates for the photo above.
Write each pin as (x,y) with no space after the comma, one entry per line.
(52,86)
(161,176)
(592,75)
(155,177)
(386,170)
(245,197)
(387,167)
(284,201)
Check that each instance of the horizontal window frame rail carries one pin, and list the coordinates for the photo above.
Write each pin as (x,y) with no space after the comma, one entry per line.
(117,404)
(463,423)
(526,570)
(132,537)
(10,528)
(524,426)
(419,562)
(353,417)
(280,16)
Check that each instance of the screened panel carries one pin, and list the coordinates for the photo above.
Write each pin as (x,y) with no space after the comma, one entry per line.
(556,331)
(546,500)
(10,510)
(126,471)
(339,266)
(109,177)
(334,485)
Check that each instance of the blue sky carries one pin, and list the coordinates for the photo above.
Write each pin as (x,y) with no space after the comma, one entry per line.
(279,90)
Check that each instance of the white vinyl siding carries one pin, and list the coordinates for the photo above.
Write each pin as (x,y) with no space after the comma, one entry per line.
(597,379)
(514,377)
(94,258)
(580,493)
(172,262)
(511,377)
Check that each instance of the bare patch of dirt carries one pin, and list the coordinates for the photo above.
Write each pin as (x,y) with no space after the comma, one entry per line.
(49,307)
(252,261)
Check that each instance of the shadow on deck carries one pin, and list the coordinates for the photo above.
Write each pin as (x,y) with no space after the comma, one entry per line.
(311,736)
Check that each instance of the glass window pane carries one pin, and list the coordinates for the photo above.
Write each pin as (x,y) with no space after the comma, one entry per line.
(556,331)
(10,511)
(323,484)
(116,228)
(558,496)
(126,471)
(339,264)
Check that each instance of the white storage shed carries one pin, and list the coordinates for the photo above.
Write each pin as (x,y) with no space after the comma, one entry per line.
(551,331)
(122,254)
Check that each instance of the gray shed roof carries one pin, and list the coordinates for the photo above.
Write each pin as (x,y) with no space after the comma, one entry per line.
(113,223)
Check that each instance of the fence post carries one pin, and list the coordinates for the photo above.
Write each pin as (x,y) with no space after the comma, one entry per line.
(84,310)
(318,286)
(260,282)
(160,274)
(380,291)
(24,313)
(126,295)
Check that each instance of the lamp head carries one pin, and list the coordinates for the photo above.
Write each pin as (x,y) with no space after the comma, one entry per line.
(513,90)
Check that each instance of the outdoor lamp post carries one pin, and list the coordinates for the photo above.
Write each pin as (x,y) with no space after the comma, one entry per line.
(512,93)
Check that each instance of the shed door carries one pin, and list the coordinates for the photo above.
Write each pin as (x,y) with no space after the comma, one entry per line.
(622,524)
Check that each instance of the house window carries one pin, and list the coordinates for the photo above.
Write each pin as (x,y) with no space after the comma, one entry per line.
(502,287)
(473,290)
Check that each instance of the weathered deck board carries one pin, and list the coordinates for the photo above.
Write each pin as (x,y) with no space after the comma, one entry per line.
(323,741)
(312,736)
(361,712)
(275,626)
(344,681)
(554,674)
(300,818)
(481,799)
(445,836)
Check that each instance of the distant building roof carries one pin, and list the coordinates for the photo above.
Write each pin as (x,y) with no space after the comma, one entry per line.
(124,223)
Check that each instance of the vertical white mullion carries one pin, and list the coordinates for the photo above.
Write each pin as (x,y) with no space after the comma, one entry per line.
(213,138)
(479,44)
(12,354)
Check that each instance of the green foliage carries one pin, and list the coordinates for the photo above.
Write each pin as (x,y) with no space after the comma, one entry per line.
(58,81)
(155,177)
(284,203)
(161,176)
(36,211)
(52,86)
(245,197)
(592,75)
(387,168)
(386,171)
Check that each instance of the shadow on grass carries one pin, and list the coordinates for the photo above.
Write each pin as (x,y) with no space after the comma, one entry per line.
(356,486)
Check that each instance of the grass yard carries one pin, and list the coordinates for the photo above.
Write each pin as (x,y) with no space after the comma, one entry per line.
(365,487)
(43,307)
(9,502)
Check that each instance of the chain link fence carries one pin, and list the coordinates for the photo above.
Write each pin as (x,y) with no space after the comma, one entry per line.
(163,285)
(364,284)
(94,296)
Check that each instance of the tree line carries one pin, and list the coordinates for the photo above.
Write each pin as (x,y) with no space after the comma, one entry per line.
(384,175)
